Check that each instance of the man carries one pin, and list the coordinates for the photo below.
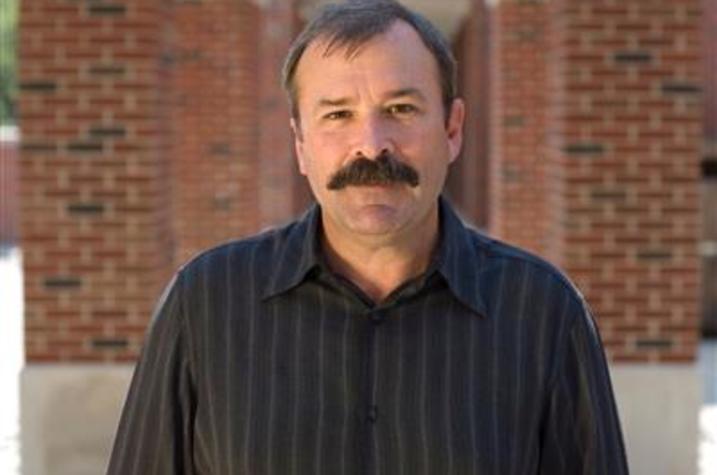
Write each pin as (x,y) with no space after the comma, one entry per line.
(377,334)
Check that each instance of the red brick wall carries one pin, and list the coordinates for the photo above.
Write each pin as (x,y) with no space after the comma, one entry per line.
(709,185)
(596,140)
(8,189)
(467,183)
(233,165)
(710,66)
(632,126)
(213,64)
(152,130)
(525,184)
(283,191)
(92,221)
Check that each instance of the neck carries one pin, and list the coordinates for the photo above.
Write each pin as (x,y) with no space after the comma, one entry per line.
(379,266)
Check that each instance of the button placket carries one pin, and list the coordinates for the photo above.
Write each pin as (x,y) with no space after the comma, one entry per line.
(374,320)
(377,316)
(372,414)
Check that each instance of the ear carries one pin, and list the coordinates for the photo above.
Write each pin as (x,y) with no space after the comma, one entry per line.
(298,145)
(454,128)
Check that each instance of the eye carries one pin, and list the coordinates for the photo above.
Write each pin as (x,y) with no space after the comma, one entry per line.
(401,109)
(338,115)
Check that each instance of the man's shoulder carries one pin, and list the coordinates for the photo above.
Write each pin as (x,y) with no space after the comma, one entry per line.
(498,257)
(255,252)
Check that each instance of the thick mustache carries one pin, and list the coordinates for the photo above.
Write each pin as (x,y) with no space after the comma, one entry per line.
(384,170)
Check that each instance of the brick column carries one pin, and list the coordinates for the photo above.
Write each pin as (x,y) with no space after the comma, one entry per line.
(525,185)
(627,111)
(8,188)
(95,228)
(213,72)
(468,183)
(709,28)
(283,190)
(633,131)
(709,172)
(93,225)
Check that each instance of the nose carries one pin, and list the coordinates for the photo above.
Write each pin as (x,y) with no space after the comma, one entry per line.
(372,138)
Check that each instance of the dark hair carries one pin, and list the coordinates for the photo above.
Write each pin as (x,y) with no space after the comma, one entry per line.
(350,25)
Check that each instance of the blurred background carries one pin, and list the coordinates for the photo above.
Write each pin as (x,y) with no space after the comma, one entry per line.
(137,132)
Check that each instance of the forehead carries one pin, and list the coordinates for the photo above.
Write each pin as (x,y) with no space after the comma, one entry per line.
(392,60)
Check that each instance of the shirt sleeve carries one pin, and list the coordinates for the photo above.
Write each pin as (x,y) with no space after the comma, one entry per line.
(156,426)
(581,429)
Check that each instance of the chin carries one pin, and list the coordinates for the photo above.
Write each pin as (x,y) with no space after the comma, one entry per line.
(376,220)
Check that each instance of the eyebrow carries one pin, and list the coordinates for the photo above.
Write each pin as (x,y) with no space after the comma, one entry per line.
(407,91)
(325,102)
(343,101)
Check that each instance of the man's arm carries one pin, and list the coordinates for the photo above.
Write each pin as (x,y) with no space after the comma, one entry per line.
(155,430)
(581,429)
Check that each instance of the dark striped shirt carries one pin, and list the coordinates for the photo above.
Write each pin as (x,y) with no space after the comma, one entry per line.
(260,360)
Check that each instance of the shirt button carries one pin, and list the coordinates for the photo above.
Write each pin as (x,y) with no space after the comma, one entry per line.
(377,316)
(372,414)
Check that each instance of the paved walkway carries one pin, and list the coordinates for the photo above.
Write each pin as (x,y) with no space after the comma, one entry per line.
(708,415)
(11,362)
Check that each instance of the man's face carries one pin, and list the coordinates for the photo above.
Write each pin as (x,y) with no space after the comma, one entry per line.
(385,99)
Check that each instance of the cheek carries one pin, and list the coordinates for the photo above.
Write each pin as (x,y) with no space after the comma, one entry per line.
(430,148)
(332,141)
(324,152)
(315,165)
(432,160)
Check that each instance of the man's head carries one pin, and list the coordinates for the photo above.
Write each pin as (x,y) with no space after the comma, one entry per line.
(350,25)
(375,119)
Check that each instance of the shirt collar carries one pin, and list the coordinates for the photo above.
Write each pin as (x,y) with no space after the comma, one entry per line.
(298,254)
(456,258)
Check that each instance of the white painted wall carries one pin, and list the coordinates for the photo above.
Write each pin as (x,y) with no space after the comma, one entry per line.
(659,408)
(68,416)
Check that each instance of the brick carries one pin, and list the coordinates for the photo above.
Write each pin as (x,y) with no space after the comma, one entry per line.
(110,343)
(85,147)
(671,87)
(38,86)
(584,149)
(63,282)
(86,208)
(654,343)
(28,147)
(108,70)
(106,131)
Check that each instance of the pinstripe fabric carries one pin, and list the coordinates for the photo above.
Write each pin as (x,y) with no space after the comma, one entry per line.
(259,360)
